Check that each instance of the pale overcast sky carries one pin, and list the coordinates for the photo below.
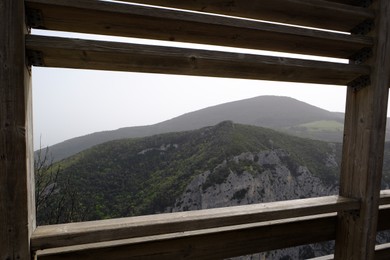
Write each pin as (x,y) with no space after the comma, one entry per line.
(68,103)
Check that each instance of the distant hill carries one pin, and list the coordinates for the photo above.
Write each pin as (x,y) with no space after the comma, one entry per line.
(279,113)
(147,175)
(224,165)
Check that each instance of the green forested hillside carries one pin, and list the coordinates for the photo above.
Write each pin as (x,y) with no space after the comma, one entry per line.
(144,176)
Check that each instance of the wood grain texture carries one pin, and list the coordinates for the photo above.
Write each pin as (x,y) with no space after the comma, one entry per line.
(384,197)
(314,13)
(384,216)
(382,252)
(84,54)
(217,243)
(362,159)
(352,2)
(209,244)
(105,230)
(88,16)
(17,217)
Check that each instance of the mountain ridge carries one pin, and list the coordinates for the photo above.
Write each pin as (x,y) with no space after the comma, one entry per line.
(130,177)
(276,112)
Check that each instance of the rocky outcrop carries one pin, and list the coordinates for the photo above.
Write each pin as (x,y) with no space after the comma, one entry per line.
(265,176)
(270,175)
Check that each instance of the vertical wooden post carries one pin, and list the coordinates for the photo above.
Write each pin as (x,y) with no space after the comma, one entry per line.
(17,209)
(364,136)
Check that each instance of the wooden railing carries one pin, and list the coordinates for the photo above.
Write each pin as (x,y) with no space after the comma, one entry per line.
(204,234)
(357,30)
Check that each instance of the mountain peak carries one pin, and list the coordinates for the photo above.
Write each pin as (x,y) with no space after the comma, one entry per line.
(276,112)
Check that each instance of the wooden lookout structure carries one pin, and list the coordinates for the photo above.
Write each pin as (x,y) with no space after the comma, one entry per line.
(357,30)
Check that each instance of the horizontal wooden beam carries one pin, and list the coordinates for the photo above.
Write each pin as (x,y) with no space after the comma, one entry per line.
(382,252)
(384,197)
(108,18)
(114,229)
(225,241)
(383,219)
(353,2)
(86,54)
(228,241)
(208,244)
(314,13)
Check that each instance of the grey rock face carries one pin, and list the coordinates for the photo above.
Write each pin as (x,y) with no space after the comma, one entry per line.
(266,176)
(274,180)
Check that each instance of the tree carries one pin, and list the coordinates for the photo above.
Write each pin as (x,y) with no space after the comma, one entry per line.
(56,199)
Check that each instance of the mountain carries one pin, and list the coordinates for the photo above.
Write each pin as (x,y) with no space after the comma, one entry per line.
(280,113)
(223,165)
(153,174)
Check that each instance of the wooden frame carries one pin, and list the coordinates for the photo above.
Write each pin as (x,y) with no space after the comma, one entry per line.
(277,230)
(352,219)
(17,208)
(363,145)
(89,16)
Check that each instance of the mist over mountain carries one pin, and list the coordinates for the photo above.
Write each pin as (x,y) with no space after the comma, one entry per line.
(280,113)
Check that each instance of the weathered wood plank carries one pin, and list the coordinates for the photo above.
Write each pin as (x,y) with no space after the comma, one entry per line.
(383,219)
(114,229)
(382,252)
(353,2)
(16,156)
(208,244)
(384,197)
(314,13)
(227,241)
(363,145)
(326,257)
(96,17)
(239,240)
(84,54)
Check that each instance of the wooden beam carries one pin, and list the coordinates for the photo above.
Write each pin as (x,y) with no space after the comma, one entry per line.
(362,159)
(84,54)
(108,18)
(384,197)
(382,252)
(208,244)
(314,13)
(105,230)
(227,241)
(383,219)
(363,3)
(17,209)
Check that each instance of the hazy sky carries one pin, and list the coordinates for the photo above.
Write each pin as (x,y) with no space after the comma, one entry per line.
(69,103)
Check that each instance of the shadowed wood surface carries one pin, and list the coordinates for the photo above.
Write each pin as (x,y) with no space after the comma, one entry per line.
(105,230)
(217,233)
(85,54)
(382,252)
(211,244)
(363,147)
(353,2)
(214,243)
(384,197)
(314,13)
(17,218)
(88,16)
